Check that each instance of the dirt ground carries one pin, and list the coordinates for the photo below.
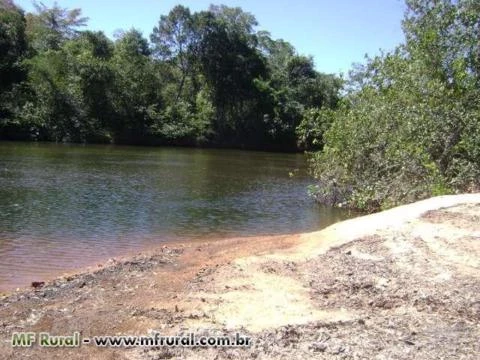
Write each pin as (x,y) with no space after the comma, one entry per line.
(401,284)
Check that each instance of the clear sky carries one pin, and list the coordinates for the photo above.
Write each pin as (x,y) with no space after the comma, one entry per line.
(336,33)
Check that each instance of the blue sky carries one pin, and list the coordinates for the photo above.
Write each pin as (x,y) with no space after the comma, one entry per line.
(336,33)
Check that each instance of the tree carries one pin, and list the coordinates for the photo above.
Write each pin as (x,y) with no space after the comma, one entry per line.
(230,67)
(48,28)
(297,92)
(206,78)
(12,44)
(236,21)
(13,48)
(137,99)
(409,125)
(173,40)
(71,90)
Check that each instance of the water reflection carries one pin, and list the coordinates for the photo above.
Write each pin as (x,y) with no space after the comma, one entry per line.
(63,206)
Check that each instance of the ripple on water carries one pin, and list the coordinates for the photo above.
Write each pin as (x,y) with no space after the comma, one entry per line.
(64,207)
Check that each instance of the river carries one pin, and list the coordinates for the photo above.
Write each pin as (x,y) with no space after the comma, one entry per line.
(67,206)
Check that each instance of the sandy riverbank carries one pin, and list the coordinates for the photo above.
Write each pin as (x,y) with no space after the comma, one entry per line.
(404,283)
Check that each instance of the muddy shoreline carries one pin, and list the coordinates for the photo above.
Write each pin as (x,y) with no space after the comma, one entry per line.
(404,283)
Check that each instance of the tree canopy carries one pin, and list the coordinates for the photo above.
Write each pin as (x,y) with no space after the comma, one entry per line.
(204,78)
(409,124)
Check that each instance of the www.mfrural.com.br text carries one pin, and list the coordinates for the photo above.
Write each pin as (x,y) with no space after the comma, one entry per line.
(44,339)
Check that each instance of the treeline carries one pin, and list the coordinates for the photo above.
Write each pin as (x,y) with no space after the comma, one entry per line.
(409,124)
(204,78)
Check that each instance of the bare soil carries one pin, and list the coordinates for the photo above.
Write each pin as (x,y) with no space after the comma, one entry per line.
(401,284)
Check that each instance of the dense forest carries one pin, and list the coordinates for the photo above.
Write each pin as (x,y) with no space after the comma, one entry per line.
(205,78)
(403,126)
(408,125)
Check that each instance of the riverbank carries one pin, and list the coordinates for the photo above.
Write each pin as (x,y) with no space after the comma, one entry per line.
(401,283)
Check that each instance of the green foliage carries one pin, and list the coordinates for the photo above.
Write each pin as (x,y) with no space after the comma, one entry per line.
(48,28)
(136,96)
(295,91)
(205,78)
(12,51)
(409,126)
(12,44)
(71,89)
(230,67)
(314,125)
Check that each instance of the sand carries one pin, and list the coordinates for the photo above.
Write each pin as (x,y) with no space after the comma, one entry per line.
(399,284)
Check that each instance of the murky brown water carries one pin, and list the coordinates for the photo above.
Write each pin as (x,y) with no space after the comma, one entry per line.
(68,206)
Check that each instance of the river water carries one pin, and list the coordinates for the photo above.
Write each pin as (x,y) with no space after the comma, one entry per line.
(67,206)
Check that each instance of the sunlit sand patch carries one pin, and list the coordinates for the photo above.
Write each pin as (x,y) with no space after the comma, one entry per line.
(260,301)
